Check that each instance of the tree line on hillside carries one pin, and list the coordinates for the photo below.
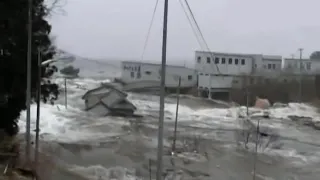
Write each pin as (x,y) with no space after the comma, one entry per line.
(13,57)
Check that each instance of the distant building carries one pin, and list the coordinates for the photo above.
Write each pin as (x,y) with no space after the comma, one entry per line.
(270,65)
(144,73)
(303,66)
(219,72)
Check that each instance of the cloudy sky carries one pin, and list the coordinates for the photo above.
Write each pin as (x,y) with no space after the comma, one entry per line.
(107,29)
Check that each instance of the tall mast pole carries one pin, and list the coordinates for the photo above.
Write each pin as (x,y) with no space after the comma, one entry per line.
(28,93)
(162,92)
(300,75)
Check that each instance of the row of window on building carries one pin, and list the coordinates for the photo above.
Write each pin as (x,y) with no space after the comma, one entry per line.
(223,60)
(138,76)
(307,66)
(269,66)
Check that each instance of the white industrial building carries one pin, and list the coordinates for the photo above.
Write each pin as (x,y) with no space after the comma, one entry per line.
(219,72)
(271,65)
(137,72)
(301,66)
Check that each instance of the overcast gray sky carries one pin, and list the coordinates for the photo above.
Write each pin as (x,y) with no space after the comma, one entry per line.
(117,28)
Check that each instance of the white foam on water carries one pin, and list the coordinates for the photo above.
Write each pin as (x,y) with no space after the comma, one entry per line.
(60,124)
(295,109)
(99,172)
(57,123)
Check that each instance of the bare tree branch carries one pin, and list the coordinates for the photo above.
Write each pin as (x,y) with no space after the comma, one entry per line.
(56,7)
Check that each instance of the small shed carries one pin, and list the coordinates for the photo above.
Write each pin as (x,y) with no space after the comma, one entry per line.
(108,100)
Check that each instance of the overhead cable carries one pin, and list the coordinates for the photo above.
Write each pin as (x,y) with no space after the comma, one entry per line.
(149,30)
(200,33)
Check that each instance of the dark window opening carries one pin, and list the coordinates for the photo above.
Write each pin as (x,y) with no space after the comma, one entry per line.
(190,77)
(308,65)
(148,72)
(223,60)
(230,60)
(199,59)
(236,61)
(273,66)
(243,61)
(132,74)
(216,60)
(208,60)
(138,75)
(269,66)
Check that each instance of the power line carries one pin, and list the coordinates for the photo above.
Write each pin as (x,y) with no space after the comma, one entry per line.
(190,22)
(149,30)
(200,33)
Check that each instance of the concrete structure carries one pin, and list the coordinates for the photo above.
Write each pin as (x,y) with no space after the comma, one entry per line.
(219,72)
(144,73)
(107,100)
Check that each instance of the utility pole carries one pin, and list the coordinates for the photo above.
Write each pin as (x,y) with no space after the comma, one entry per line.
(176,120)
(28,93)
(65,92)
(38,109)
(300,75)
(162,92)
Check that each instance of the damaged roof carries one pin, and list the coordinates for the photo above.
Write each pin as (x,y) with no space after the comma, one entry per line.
(103,86)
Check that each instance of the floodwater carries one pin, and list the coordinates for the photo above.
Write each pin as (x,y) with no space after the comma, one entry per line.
(210,144)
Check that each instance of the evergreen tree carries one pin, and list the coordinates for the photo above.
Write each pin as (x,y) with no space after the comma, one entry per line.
(13,58)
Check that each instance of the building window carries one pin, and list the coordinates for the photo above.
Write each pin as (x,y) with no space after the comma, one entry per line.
(230,60)
(201,74)
(216,60)
(236,61)
(208,60)
(269,66)
(223,60)
(148,72)
(190,77)
(132,74)
(199,59)
(243,61)
(207,74)
(308,65)
(138,75)
(273,66)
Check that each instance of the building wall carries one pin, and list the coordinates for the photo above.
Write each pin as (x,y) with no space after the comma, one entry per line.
(99,110)
(212,81)
(137,71)
(305,66)
(223,63)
